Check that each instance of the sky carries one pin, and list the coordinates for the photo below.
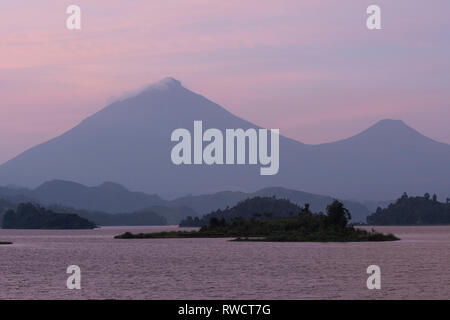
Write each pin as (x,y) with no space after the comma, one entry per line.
(310,68)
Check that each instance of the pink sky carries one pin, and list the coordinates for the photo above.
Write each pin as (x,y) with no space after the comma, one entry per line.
(310,68)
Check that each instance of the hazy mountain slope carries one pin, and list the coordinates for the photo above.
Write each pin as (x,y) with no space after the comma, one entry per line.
(108,196)
(172,214)
(373,205)
(385,160)
(147,218)
(128,142)
(206,203)
(16,195)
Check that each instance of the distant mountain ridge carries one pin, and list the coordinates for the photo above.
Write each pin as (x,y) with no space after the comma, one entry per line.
(114,198)
(109,197)
(128,142)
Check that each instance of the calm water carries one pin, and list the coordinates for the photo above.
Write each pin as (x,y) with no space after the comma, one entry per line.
(418,267)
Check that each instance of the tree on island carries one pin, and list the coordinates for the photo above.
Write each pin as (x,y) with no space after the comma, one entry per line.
(338,215)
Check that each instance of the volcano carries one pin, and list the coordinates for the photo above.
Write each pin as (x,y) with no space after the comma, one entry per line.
(128,142)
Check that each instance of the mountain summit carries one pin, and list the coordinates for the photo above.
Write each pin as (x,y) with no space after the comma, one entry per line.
(166,83)
(391,130)
(128,142)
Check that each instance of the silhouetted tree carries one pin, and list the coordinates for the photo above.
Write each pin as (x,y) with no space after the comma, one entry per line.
(305,210)
(337,214)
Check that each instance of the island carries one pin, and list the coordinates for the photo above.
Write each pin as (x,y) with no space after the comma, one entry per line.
(275,220)
(33,216)
(426,210)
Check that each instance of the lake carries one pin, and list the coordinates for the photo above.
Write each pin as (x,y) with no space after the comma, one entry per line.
(34,267)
